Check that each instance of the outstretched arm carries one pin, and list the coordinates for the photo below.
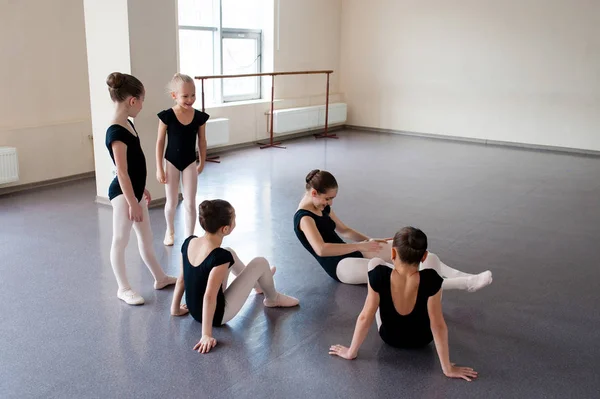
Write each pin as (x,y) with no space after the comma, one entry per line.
(160,152)
(215,279)
(363,323)
(322,248)
(345,231)
(177,309)
(440,337)
(201,148)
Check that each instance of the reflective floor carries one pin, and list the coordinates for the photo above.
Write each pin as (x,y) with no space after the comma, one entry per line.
(530,217)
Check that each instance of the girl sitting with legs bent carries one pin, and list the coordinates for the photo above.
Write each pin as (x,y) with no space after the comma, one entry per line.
(205,272)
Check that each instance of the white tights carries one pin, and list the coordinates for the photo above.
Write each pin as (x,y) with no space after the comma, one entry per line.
(257,272)
(121,232)
(355,270)
(190,183)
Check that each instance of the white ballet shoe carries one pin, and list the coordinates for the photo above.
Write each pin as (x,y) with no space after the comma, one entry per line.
(169,238)
(281,301)
(130,297)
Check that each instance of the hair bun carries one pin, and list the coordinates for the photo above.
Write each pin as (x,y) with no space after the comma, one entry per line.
(311,174)
(206,205)
(115,80)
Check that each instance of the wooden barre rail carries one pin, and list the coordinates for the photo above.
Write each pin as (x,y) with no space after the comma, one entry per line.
(325,133)
(247,75)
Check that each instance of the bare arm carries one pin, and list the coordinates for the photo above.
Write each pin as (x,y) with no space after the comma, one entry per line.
(345,231)
(322,248)
(439,329)
(215,280)
(120,153)
(363,323)
(176,308)
(440,337)
(160,151)
(202,144)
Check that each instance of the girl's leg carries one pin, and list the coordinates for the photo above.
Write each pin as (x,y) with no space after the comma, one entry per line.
(455,279)
(145,244)
(237,293)
(384,253)
(354,270)
(121,231)
(172,191)
(190,184)
(238,266)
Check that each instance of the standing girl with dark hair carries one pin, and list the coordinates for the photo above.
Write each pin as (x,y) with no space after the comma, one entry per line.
(317,228)
(127,192)
(205,271)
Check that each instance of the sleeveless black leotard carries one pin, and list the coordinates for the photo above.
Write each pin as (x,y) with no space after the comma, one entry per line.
(326,227)
(181,143)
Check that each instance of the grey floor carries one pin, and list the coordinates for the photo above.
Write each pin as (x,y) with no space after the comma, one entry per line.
(530,217)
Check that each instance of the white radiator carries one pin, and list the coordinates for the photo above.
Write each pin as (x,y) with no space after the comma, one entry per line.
(217,132)
(9,165)
(307,118)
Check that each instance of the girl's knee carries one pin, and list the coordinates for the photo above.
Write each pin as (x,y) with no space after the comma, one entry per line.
(190,206)
(259,263)
(170,204)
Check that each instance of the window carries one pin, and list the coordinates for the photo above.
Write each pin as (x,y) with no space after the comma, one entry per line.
(223,37)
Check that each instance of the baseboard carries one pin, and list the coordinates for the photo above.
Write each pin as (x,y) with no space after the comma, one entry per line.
(46,183)
(153,204)
(276,138)
(498,143)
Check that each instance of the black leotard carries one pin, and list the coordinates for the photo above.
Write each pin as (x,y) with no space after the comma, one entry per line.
(181,143)
(412,330)
(136,161)
(196,280)
(326,227)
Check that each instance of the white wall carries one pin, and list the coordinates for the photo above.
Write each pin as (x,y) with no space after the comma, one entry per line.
(514,70)
(44,95)
(138,29)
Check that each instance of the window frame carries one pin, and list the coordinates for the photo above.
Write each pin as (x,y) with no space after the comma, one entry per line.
(246,34)
(219,34)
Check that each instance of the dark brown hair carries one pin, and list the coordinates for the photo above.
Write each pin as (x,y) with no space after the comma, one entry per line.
(121,86)
(411,244)
(320,180)
(214,214)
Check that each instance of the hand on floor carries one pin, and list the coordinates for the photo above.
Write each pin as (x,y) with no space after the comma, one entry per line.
(182,311)
(205,344)
(341,351)
(466,373)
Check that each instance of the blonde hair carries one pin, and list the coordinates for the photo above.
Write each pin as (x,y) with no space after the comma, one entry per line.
(177,80)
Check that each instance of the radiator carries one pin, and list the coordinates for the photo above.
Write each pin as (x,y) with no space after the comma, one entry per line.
(9,165)
(307,118)
(217,132)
